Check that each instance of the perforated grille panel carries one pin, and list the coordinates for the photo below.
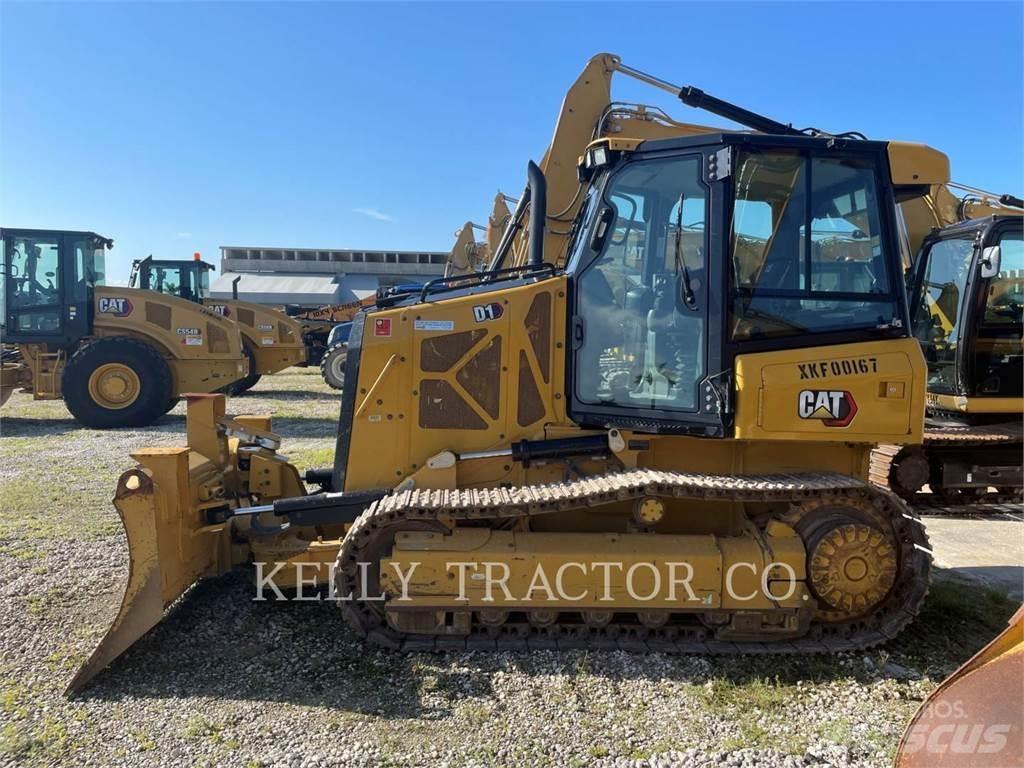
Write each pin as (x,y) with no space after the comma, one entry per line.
(538,328)
(440,353)
(218,339)
(441,407)
(530,407)
(246,317)
(158,314)
(481,377)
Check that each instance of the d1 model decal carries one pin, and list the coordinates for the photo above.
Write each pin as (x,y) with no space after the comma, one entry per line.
(833,407)
(116,306)
(485,312)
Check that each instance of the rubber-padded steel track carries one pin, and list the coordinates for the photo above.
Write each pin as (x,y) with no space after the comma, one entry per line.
(370,537)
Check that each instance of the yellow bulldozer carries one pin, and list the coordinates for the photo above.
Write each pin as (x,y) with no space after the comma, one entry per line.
(271,340)
(646,425)
(119,357)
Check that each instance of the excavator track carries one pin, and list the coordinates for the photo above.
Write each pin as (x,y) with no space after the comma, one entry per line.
(890,464)
(371,536)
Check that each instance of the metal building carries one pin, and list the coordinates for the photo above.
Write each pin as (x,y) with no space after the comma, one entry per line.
(314,277)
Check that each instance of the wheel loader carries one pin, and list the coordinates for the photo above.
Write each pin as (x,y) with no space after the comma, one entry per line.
(967,299)
(647,429)
(271,340)
(119,357)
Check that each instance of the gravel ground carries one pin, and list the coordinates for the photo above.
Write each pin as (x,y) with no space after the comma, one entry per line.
(225,680)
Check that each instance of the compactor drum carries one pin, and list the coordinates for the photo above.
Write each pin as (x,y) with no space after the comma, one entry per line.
(656,436)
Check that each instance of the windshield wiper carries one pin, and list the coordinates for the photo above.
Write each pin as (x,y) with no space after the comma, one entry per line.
(688,297)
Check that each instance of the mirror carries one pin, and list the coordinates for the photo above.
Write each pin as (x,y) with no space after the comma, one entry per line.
(990,258)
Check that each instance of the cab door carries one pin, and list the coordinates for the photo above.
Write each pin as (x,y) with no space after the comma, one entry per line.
(48,277)
(993,349)
(33,286)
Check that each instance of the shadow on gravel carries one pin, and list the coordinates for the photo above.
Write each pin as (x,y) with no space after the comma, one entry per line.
(220,643)
(288,394)
(15,426)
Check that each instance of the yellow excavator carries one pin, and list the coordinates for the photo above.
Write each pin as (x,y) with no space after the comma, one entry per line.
(119,357)
(271,340)
(470,255)
(646,425)
(967,311)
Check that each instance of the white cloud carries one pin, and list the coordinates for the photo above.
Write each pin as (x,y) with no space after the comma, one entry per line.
(183,235)
(373,213)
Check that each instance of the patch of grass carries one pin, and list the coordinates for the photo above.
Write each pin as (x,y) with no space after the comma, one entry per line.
(721,695)
(957,619)
(198,727)
(311,458)
(47,741)
(13,698)
(750,735)
(476,714)
(24,555)
(598,751)
(40,509)
(144,740)
(838,731)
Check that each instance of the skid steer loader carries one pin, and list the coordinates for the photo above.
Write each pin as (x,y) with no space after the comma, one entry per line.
(271,340)
(119,357)
(654,435)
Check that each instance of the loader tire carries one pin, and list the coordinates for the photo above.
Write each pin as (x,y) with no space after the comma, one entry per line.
(332,366)
(117,382)
(236,388)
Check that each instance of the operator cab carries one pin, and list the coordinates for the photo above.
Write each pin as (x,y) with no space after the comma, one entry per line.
(186,279)
(967,299)
(689,252)
(46,283)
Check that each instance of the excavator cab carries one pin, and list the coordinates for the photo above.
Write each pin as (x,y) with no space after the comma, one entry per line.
(189,280)
(968,314)
(47,284)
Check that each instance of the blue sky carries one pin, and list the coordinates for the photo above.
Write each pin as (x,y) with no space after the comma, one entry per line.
(181,127)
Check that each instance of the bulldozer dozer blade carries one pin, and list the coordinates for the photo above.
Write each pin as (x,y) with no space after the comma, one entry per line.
(169,547)
(975,718)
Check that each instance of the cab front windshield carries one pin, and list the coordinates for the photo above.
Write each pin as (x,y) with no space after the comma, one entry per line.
(642,301)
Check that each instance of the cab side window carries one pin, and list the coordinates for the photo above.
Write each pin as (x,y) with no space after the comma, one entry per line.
(807,247)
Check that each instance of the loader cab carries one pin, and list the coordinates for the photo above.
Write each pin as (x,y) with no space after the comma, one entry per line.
(184,278)
(690,252)
(967,296)
(47,281)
